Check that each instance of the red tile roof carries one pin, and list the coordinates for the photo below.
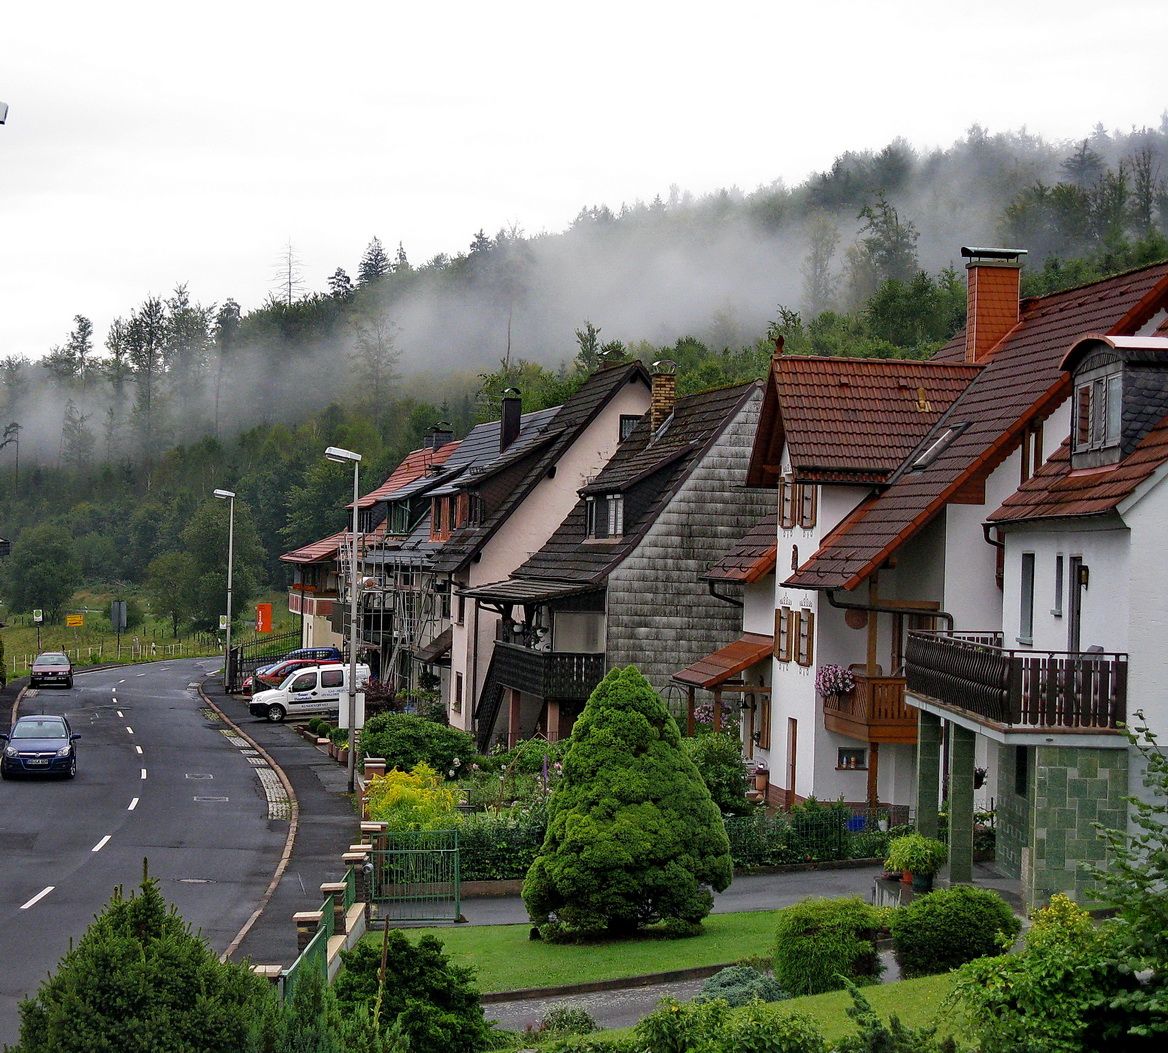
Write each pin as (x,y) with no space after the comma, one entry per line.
(321,551)
(854,419)
(1020,383)
(752,557)
(1058,490)
(719,666)
(416,464)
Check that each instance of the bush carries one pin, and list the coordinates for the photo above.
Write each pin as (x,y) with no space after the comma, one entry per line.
(633,836)
(339,736)
(916,854)
(140,980)
(417,800)
(433,1003)
(739,985)
(719,759)
(498,847)
(567,1020)
(821,941)
(406,741)
(1066,992)
(678,1027)
(314,725)
(949,927)
(875,1036)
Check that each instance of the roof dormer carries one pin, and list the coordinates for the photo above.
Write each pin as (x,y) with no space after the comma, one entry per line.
(1119,391)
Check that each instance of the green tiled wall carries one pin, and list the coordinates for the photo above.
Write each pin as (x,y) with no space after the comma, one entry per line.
(1012,816)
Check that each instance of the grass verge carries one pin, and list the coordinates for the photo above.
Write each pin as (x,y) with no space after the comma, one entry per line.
(506,960)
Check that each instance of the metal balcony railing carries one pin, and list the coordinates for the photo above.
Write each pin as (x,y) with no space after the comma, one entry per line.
(1023,688)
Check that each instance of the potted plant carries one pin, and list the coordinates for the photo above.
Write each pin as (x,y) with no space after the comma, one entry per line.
(831,681)
(762,775)
(920,856)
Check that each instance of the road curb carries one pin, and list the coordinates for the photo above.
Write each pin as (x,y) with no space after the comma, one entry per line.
(698,972)
(293,823)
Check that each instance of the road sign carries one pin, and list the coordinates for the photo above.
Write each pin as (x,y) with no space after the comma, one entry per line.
(74,621)
(38,616)
(118,615)
(222,622)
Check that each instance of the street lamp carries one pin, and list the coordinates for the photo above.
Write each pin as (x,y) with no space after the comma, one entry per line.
(335,453)
(229,497)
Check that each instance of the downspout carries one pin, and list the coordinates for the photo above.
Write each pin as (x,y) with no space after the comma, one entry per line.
(725,599)
(883,608)
(1000,560)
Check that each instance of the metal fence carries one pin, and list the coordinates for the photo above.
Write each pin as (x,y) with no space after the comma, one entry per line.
(314,957)
(260,650)
(416,877)
(128,649)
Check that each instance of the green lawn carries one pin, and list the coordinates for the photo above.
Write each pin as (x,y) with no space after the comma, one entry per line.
(506,960)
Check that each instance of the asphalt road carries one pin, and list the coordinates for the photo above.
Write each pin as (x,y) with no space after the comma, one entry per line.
(157,779)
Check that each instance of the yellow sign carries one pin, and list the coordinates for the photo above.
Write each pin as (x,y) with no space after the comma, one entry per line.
(74,621)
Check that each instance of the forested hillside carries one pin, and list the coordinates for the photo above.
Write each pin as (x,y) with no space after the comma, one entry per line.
(113,442)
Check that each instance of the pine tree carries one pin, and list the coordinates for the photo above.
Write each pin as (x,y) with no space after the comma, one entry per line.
(340,285)
(374,264)
(633,835)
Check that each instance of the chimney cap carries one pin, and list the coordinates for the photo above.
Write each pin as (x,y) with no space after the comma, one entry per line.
(511,393)
(665,367)
(985,254)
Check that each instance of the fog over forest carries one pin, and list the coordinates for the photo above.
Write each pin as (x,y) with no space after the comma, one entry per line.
(715,267)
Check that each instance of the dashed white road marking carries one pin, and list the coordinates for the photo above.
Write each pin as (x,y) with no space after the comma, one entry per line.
(121,681)
(133,804)
(120,714)
(139,749)
(139,674)
(143,773)
(101,844)
(129,730)
(38,897)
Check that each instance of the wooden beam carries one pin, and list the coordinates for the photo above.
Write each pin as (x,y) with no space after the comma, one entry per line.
(873,618)
(690,729)
(873,774)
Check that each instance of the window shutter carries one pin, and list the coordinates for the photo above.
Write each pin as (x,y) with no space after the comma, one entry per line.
(808,504)
(764,727)
(806,636)
(787,504)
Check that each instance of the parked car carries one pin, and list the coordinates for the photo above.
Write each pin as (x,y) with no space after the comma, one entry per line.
(319,654)
(52,667)
(275,674)
(307,692)
(39,745)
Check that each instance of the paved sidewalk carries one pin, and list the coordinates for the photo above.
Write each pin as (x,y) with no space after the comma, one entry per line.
(328,824)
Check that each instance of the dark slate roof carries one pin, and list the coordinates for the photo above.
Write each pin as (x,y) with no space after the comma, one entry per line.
(679,447)
(752,557)
(1020,382)
(541,452)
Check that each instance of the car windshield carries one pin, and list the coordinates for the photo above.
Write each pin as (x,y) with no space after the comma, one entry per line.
(52,659)
(39,729)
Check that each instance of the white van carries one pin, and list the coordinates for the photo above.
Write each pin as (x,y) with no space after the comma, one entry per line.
(307,692)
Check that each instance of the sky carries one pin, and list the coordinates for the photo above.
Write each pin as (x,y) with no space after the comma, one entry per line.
(149,144)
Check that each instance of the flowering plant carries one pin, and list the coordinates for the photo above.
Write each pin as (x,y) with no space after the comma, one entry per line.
(834,680)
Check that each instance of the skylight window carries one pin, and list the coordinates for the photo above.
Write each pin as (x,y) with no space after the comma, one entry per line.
(938,446)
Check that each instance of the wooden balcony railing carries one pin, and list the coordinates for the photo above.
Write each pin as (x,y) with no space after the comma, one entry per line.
(562,675)
(874,712)
(1020,689)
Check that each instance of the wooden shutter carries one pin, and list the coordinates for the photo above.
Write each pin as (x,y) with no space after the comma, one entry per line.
(764,726)
(808,504)
(805,647)
(786,504)
(783,634)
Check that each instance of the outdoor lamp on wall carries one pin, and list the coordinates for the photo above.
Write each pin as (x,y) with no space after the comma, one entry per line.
(339,456)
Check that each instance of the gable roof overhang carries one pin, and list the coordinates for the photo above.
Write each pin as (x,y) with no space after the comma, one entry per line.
(718,666)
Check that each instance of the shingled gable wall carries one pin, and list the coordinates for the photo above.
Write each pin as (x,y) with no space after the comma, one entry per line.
(660,615)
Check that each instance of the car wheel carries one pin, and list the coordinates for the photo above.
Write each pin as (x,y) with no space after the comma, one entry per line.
(69,682)
(275,713)
(72,773)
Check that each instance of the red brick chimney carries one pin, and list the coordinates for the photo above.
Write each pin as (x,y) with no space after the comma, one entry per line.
(664,393)
(992,308)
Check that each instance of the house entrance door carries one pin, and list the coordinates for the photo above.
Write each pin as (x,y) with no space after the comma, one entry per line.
(792,754)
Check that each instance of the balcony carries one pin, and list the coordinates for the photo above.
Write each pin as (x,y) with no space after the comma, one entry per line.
(308,602)
(1019,690)
(874,712)
(563,675)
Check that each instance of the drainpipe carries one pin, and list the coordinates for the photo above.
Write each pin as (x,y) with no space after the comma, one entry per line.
(883,608)
(1000,560)
(725,599)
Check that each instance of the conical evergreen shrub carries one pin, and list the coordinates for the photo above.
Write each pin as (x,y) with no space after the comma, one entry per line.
(633,836)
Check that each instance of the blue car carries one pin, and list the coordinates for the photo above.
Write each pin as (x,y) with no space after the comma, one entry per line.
(40,745)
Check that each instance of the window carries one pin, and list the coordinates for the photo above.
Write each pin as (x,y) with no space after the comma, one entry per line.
(476,510)
(461,609)
(1057,609)
(462,510)
(783,633)
(798,504)
(628,421)
(605,516)
(804,636)
(616,515)
(1026,614)
(304,682)
(332,677)
(457,693)
(786,504)
(851,759)
(1098,407)
(938,446)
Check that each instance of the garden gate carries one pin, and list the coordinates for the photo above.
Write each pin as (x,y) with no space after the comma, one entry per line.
(416,877)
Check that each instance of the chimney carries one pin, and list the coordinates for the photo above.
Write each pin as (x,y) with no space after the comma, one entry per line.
(509,422)
(992,309)
(439,435)
(664,393)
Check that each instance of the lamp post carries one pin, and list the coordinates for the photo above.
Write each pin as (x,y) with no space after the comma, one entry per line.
(335,453)
(229,497)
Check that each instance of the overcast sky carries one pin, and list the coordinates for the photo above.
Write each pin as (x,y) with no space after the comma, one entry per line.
(151,143)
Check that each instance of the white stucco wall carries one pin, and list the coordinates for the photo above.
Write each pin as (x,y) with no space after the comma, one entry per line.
(1147,581)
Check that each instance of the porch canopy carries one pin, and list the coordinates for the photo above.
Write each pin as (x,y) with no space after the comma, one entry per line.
(716,670)
(525,592)
(437,648)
